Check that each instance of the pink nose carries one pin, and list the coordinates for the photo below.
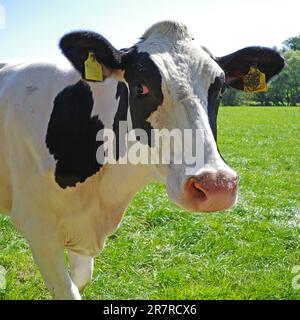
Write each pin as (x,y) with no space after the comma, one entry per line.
(212,190)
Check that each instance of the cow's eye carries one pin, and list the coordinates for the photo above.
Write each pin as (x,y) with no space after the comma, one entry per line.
(141,90)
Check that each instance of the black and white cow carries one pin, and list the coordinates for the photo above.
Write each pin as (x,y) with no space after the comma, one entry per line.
(51,184)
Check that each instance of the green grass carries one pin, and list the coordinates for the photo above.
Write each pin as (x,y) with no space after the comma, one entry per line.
(162,252)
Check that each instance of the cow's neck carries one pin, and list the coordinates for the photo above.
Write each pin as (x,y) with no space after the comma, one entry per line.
(119,183)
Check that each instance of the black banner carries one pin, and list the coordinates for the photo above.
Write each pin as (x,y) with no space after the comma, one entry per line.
(146,309)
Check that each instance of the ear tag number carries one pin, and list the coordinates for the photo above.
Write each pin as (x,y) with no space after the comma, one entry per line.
(93,69)
(255,81)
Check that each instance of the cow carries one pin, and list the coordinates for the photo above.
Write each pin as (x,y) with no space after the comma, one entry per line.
(58,195)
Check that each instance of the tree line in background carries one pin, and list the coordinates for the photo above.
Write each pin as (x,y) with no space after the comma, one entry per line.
(283,91)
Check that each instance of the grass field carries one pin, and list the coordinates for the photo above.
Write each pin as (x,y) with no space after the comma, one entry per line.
(162,252)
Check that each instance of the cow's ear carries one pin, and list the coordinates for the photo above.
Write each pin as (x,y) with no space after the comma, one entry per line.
(91,54)
(237,65)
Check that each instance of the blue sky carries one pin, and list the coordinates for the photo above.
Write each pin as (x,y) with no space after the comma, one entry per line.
(33,28)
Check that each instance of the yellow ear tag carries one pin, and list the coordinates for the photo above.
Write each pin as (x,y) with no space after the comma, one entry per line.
(255,81)
(93,69)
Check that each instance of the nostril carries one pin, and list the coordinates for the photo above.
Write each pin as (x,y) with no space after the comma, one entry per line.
(199,190)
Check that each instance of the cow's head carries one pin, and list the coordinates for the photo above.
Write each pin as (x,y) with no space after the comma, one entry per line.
(174,84)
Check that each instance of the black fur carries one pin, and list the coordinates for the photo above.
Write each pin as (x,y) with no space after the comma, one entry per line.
(71,136)
(143,71)
(214,98)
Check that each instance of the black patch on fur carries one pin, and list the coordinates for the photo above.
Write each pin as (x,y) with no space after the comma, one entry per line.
(140,69)
(71,135)
(121,115)
(214,99)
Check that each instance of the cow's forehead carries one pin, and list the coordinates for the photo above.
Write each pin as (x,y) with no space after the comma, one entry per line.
(181,60)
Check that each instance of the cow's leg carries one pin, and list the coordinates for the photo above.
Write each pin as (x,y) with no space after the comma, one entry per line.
(48,253)
(51,262)
(82,268)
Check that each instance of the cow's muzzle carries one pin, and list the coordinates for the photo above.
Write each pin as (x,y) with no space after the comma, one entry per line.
(212,190)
